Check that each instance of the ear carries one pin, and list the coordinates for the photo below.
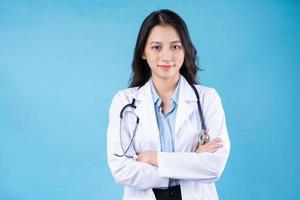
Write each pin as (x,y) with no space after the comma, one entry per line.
(143,56)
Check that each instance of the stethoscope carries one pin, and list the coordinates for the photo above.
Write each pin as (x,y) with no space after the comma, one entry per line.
(203,135)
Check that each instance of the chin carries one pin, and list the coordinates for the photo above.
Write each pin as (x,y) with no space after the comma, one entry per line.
(168,75)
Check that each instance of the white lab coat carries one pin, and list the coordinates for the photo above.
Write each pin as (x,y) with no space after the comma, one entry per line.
(197,172)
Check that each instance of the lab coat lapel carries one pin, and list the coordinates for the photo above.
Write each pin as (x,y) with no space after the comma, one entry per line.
(186,95)
(145,111)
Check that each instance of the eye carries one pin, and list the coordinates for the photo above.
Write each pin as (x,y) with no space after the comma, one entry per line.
(156,47)
(176,47)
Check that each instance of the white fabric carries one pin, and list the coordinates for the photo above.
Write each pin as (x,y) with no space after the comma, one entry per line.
(197,173)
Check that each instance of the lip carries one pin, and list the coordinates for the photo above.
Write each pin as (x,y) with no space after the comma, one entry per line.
(165,67)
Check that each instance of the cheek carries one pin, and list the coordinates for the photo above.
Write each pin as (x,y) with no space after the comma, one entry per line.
(152,61)
(180,58)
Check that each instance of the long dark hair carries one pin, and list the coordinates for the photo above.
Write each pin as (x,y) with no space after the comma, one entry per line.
(140,70)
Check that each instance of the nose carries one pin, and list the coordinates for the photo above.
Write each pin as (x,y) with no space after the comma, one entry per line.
(166,55)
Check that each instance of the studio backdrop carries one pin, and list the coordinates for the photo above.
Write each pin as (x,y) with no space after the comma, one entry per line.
(61,62)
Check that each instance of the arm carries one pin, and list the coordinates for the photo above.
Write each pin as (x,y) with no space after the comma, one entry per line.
(127,171)
(206,164)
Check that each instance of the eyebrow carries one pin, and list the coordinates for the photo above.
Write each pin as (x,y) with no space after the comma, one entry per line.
(157,42)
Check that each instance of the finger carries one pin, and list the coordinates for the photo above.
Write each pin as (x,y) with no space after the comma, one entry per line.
(208,148)
(214,148)
(216,140)
(215,145)
(211,143)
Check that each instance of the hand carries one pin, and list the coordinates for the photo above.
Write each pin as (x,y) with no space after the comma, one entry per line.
(149,157)
(211,146)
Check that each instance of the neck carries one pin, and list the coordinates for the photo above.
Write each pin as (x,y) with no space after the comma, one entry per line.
(165,87)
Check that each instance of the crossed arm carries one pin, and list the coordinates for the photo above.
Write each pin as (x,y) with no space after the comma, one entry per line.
(150,157)
(205,164)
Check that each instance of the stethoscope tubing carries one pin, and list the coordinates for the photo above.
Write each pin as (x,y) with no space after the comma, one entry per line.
(203,134)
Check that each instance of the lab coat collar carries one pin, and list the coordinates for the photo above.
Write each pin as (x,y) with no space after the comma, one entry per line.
(185,108)
(145,107)
(186,93)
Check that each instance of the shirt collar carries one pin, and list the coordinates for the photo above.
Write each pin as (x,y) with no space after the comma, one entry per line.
(174,96)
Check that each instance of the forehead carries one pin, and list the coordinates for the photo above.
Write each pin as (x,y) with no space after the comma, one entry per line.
(162,33)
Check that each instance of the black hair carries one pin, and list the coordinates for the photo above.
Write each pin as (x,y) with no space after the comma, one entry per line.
(140,69)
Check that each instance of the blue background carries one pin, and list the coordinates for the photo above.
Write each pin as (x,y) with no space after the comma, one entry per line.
(62,61)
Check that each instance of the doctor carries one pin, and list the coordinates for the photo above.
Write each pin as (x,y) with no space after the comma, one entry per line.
(154,150)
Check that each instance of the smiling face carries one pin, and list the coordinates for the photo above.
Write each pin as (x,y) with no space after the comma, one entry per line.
(164,52)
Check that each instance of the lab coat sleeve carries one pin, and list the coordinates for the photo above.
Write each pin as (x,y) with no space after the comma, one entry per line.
(127,171)
(205,167)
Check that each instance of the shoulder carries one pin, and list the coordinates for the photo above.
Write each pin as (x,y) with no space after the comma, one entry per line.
(123,97)
(208,94)
(205,90)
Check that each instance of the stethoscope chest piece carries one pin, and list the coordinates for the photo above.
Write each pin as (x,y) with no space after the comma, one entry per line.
(203,137)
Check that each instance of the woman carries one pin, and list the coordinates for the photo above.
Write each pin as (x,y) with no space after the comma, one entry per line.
(152,145)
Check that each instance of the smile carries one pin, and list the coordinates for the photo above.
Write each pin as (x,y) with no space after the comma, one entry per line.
(166,67)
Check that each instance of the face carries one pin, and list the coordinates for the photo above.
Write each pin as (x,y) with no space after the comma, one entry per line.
(164,52)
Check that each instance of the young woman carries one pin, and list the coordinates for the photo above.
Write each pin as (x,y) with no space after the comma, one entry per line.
(167,136)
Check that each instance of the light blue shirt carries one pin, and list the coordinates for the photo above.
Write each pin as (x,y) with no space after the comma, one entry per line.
(166,122)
